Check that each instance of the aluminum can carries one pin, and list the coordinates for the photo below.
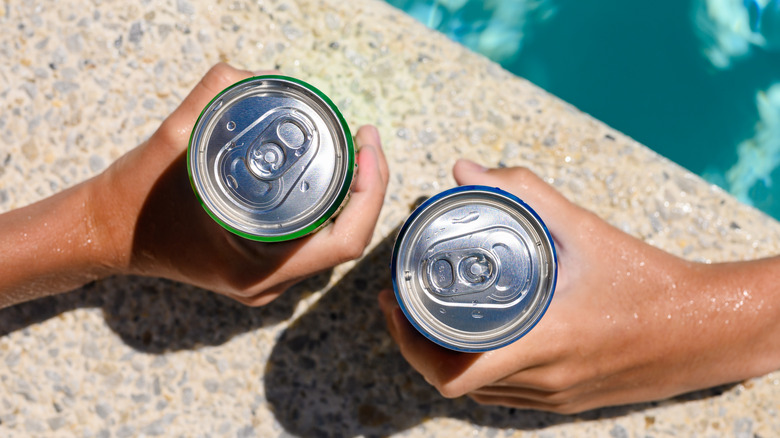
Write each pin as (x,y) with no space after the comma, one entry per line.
(474,268)
(271,158)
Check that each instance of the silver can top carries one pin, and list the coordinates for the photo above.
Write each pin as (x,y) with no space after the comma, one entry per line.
(474,268)
(271,158)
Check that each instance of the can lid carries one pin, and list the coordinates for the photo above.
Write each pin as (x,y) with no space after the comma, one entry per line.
(271,158)
(474,268)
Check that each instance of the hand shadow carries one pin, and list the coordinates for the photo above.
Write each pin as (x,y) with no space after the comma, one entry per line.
(174,230)
(336,371)
(155,315)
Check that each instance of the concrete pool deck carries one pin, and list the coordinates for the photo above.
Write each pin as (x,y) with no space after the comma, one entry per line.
(82,82)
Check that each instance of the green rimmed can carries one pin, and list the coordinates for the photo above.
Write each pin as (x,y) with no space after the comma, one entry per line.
(271,159)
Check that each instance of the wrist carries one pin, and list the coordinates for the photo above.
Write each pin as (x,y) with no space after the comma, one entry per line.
(51,246)
(128,201)
(738,317)
(105,224)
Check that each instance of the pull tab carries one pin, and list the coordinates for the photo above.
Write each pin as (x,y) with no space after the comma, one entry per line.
(283,142)
(460,271)
(491,267)
(260,166)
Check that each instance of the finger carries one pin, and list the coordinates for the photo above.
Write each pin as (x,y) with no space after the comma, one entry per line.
(266,295)
(521,403)
(347,237)
(419,349)
(266,72)
(456,373)
(554,208)
(176,129)
(439,366)
(388,305)
(369,134)
(352,230)
(517,392)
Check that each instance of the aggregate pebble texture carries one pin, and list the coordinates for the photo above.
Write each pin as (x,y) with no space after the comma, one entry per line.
(82,82)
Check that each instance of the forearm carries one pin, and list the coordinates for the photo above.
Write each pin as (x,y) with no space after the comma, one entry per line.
(49,247)
(742,301)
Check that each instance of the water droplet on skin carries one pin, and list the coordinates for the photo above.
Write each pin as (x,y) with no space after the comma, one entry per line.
(304,186)
(477,314)
(231,125)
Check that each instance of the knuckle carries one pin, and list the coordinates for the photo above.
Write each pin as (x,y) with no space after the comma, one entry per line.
(266,297)
(523,175)
(170,133)
(449,390)
(556,381)
(351,250)
(481,399)
(558,398)
(566,409)
(219,76)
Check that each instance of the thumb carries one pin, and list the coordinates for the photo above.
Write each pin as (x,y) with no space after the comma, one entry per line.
(175,130)
(555,210)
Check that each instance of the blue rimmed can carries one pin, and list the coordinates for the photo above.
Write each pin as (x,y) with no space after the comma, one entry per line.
(271,158)
(474,268)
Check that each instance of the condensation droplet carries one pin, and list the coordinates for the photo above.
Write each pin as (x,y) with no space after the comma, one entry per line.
(304,186)
(442,311)
(477,314)
(231,125)
(231,181)
(470,217)
(407,275)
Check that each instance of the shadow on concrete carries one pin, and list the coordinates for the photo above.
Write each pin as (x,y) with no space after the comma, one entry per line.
(336,371)
(155,315)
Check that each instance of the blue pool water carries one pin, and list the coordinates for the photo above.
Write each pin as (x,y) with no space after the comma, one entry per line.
(696,80)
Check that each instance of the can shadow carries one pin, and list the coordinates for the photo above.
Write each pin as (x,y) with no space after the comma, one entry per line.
(336,371)
(154,315)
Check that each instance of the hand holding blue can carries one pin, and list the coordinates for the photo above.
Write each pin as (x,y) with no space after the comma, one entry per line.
(629,322)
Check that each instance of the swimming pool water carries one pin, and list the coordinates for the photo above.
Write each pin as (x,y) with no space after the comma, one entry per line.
(695,80)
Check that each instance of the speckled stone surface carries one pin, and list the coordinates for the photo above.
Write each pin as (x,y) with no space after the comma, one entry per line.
(82,82)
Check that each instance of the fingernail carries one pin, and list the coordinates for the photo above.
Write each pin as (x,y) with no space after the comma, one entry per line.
(368,135)
(472,166)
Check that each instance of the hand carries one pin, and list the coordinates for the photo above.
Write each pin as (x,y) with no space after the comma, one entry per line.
(628,322)
(149,222)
